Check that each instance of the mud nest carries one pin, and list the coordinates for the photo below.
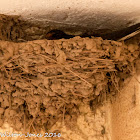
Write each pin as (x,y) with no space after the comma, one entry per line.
(45,81)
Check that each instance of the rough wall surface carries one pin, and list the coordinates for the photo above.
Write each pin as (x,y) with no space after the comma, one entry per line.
(108,15)
(126,112)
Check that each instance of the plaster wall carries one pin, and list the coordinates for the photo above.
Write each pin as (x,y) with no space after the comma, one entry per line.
(126,112)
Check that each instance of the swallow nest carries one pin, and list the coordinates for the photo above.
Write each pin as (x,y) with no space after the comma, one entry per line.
(45,81)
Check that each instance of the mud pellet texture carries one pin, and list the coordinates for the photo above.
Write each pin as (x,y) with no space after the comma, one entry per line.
(44,82)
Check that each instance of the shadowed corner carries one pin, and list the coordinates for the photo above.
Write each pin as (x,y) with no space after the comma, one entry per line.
(57,34)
